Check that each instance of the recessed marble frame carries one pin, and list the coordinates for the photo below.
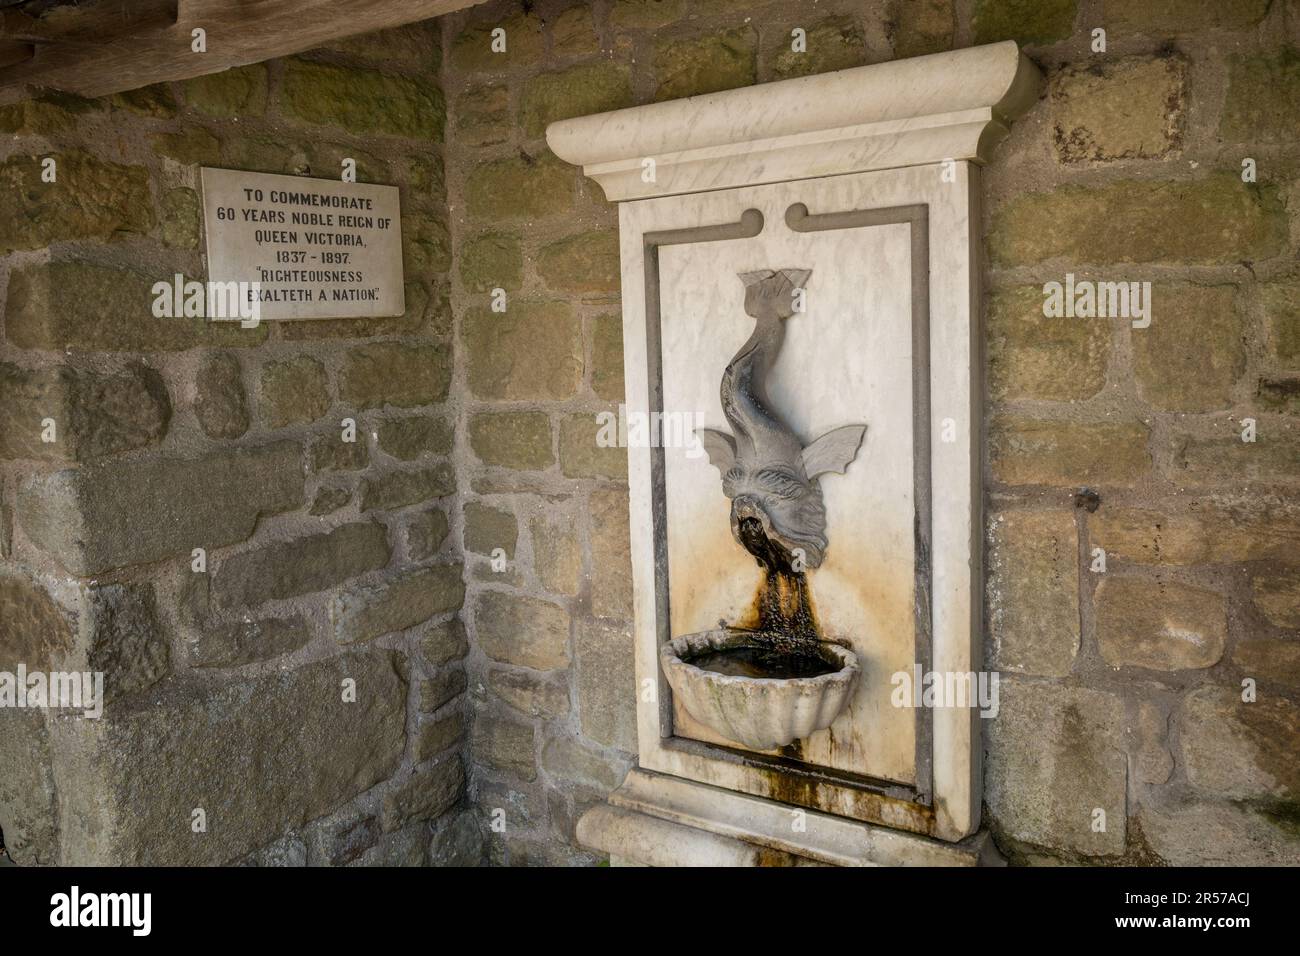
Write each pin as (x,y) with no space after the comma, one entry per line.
(933,212)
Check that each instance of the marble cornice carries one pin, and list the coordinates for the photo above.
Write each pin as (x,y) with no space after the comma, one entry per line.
(955,105)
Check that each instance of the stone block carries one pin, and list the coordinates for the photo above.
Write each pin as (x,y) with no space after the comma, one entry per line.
(192,146)
(438,734)
(1270,661)
(361,101)
(708,64)
(1194,351)
(294,391)
(436,691)
(582,453)
(1055,756)
(362,612)
(519,187)
(569,759)
(1198,459)
(1211,833)
(219,401)
(557,551)
(519,440)
(577,91)
(114,514)
(488,528)
(444,642)
(588,262)
(425,795)
(918,27)
(425,533)
(492,261)
(1263,98)
(835,44)
(1042,452)
(1170,17)
(410,438)
(1240,750)
(1159,625)
(397,489)
(533,351)
(91,199)
(1033,356)
(87,414)
(388,373)
(1282,308)
(472,49)
(515,629)
(645,14)
(249,642)
(28,799)
(1276,591)
(611,555)
(1132,108)
(302,566)
(68,304)
(529,692)
(1033,592)
(35,630)
(238,93)
(1211,532)
(1212,219)
(607,357)
(1028,22)
(606,683)
(483,116)
(458,843)
(329,452)
(132,781)
(573,33)
(505,744)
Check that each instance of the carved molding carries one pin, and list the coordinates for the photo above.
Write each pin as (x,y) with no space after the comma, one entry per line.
(955,105)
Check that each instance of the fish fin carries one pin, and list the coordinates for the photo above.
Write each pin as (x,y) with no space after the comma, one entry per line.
(833,451)
(721,448)
(749,278)
(798,278)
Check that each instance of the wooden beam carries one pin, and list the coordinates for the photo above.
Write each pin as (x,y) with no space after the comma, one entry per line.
(114,45)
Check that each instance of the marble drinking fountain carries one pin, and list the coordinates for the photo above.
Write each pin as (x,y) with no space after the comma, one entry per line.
(813,245)
(773,679)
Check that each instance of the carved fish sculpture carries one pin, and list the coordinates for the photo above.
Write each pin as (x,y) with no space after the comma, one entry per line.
(777,513)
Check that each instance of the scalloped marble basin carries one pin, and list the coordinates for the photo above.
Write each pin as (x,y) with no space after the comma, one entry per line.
(762,713)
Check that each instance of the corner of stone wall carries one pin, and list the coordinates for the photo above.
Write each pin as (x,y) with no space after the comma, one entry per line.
(1100,435)
(293,692)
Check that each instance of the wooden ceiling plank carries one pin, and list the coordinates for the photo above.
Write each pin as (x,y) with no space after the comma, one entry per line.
(237,33)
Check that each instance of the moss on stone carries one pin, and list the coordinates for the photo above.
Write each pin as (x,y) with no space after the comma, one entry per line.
(1025,21)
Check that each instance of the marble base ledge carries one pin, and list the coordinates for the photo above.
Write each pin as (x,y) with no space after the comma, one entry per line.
(658,820)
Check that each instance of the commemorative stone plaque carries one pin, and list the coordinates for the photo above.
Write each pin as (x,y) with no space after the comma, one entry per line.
(304,248)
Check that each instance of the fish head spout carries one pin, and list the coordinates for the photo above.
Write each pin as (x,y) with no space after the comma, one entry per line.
(777,515)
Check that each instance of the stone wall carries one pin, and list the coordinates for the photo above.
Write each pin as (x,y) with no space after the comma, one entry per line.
(476,479)
(1122,688)
(126,442)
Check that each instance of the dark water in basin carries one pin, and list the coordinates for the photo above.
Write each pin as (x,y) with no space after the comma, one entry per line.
(762,663)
